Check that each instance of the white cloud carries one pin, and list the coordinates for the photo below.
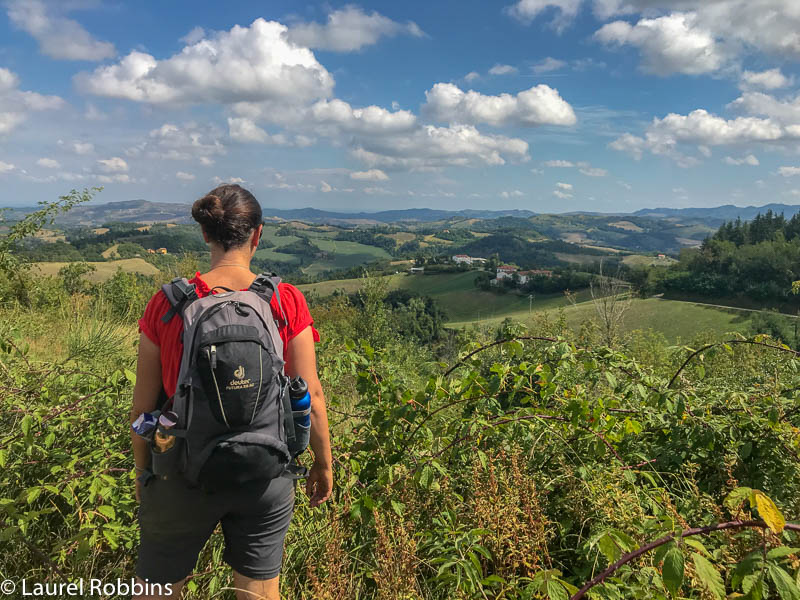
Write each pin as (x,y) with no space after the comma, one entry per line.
(190,141)
(670,44)
(627,186)
(368,120)
(196,34)
(113,165)
(6,167)
(564,186)
(349,29)
(789,171)
(756,103)
(502,70)
(82,148)
(118,178)
(511,194)
(540,105)
(371,175)
(431,147)
(527,10)
(16,104)
(183,176)
(325,187)
(94,114)
(771,79)
(246,64)
(664,136)
(471,76)
(219,180)
(59,37)
(562,195)
(547,65)
(747,160)
(594,172)
(242,129)
(559,164)
(48,163)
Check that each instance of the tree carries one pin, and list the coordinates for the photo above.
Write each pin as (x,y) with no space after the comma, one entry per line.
(13,269)
(611,297)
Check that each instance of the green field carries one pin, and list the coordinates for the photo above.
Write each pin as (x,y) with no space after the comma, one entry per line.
(465,306)
(103,270)
(341,254)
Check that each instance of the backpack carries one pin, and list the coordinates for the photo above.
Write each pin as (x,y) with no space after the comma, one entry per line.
(235,422)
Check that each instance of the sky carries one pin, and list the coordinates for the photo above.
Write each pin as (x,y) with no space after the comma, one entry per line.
(545,105)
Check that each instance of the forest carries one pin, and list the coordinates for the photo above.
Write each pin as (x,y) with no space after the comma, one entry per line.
(503,462)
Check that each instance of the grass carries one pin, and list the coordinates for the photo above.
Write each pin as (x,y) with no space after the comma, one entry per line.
(103,270)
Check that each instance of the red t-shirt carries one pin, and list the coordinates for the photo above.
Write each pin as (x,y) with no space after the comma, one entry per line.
(167,336)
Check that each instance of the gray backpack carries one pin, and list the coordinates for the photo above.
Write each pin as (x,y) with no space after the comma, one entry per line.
(235,420)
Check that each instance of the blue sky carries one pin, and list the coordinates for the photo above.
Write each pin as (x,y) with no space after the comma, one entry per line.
(547,105)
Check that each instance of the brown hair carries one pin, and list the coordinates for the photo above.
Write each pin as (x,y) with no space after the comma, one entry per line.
(228,215)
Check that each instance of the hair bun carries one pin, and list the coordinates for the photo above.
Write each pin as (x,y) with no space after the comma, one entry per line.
(209,211)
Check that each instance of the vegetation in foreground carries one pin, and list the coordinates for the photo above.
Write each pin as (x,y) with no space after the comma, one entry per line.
(505,463)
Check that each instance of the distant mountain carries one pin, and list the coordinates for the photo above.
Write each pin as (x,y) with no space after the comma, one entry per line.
(144,211)
(728,212)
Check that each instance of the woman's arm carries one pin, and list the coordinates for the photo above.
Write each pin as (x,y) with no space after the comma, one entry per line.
(303,362)
(145,397)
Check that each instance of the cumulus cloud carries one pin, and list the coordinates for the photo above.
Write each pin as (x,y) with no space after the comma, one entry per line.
(118,178)
(664,136)
(771,79)
(429,147)
(511,194)
(183,176)
(559,164)
(245,64)
(527,10)
(349,29)
(16,104)
(6,167)
(789,171)
(564,186)
(672,44)
(562,195)
(370,175)
(58,37)
(48,163)
(786,112)
(190,141)
(593,172)
(325,187)
(113,165)
(242,129)
(540,105)
(471,76)
(82,147)
(502,70)
(746,160)
(547,65)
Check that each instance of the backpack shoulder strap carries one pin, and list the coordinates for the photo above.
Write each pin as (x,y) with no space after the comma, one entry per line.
(266,285)
(180,294)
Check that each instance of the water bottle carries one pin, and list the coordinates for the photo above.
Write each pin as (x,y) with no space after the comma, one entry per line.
(164,441)
(301,413)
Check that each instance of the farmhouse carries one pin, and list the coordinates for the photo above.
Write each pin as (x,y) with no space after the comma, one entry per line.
(467,260)
(505,271)
(525,276)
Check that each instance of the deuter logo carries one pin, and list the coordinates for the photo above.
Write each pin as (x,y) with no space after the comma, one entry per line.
(239,382)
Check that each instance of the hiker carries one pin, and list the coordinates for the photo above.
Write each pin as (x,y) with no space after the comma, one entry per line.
(254,500)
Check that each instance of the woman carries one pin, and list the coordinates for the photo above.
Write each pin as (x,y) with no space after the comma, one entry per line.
(176,520)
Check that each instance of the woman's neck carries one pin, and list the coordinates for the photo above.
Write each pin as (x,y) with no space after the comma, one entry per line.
(232,258)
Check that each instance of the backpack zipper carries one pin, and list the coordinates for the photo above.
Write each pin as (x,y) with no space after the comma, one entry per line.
(213,361)
(260,380)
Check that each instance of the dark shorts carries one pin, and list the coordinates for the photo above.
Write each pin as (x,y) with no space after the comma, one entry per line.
(176,521)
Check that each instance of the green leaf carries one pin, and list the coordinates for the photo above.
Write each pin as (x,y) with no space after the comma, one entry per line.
(697,545)
(107,511)
(130,376)
(736,497)
(556,591)
(786,588)
(672,572)
(709,576)
(33,494)
(397,507)
(781,551)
